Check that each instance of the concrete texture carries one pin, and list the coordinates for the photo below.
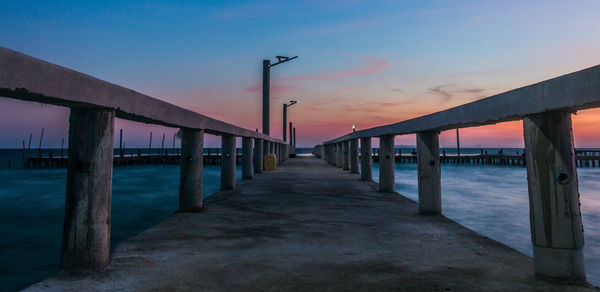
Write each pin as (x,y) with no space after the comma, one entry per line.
(27,78)
(366,163)
(309,227)
(556,226)
(258,156)
(190,178)
(228,162)
(387,164)
(247,157)
(86,231)
(429,174)
(353,156)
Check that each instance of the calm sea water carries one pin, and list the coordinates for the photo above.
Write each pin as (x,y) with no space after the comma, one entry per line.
(491,200)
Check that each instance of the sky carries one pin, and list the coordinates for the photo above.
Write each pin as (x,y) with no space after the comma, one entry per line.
(363,63)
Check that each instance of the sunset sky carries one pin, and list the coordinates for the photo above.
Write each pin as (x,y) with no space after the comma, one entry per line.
(359,63)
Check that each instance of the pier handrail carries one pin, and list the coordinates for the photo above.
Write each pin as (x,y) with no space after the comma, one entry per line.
(571,92)
(27,78)
(549,156)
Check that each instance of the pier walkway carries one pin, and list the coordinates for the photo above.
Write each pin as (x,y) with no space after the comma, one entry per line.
(309,227)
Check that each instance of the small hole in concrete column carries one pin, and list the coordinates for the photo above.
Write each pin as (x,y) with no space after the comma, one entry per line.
(387,156)
(562,178)
(432,163)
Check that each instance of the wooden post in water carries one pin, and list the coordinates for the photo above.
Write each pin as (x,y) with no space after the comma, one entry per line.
(40,146)
(190,179)
(150,144)
(366,161)
(86,231)
(387,180)
(247,158)
(258,156)
(354,156)
(428,168)
(556,226)
(457,143)
(162,145)
(174,135)
(345,156)
(228,158)
(62,148)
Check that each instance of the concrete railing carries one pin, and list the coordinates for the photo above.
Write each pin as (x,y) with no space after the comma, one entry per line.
(94,104)
(545,108)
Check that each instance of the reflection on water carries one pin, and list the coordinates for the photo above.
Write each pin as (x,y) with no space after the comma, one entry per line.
(493,201)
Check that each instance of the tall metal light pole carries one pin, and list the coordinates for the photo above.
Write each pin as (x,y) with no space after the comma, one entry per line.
(285,106)
(267,90)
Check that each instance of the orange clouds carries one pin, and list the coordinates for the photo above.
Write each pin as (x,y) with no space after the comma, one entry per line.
(371,66)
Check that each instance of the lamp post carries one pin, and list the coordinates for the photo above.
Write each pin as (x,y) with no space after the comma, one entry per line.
(285,106)
(266,90)
(353,128)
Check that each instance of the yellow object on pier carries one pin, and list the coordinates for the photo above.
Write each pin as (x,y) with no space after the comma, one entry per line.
(270,162)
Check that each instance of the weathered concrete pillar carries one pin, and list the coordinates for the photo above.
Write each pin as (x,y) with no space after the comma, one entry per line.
(340,154)
(266,148)
(228,162)
(258,156)
(86,230)
(354,156)
(556,227)
(190,178)
(387,179)
(334,155)
(366,162)
(428,168)
(345,156)
(247,158)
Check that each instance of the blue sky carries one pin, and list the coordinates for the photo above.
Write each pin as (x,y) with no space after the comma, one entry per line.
(365,62)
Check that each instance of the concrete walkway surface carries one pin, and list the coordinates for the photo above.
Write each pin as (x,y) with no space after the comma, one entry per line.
(309,227)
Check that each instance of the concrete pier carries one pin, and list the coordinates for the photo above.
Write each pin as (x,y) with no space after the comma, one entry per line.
(428,169)
(329,232)
(86,230)
(354,156)
(190,178)
(258,156)
(228,162)
(247,158)
(366,163)
(556,227)
(387,179)
(345,156)
(340,156)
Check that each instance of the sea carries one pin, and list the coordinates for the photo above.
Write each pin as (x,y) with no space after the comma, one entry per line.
(489,199)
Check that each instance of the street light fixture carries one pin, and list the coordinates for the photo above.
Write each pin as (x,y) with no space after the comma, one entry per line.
(267,88)
(285,106)
(353,128)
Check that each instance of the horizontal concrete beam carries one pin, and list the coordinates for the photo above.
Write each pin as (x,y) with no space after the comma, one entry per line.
(26,78)
(571,92)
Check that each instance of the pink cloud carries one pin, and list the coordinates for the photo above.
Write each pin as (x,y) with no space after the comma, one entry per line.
(371,66)
(351,88)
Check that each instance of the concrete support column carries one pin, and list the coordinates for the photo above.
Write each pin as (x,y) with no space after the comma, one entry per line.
(266,148)
(428,167)
(366,162)
(86,229)
(556,227)
(247,158)
(258,156)
(340,153)
(345,156)
(228,162)
(387,179)
(190,178)
(354,156)
(333,154)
